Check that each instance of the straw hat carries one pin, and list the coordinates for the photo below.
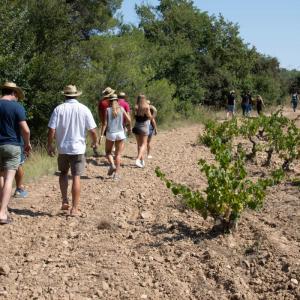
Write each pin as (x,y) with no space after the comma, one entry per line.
(12,86)
(106,93)
(71,91)
(113,97)
(122,95)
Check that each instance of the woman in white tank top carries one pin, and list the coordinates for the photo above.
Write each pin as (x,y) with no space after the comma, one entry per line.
(115,134)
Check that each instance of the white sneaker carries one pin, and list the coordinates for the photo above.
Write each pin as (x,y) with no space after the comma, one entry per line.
(143,163)
(139,164)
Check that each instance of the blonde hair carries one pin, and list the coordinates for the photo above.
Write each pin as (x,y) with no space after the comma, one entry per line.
(115,107)
(141,105)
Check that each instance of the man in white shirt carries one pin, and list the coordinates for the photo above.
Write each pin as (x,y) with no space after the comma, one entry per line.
(69,124)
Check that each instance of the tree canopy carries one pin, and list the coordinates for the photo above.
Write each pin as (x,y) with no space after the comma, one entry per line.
(178,55)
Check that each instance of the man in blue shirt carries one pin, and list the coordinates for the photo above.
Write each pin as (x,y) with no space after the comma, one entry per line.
(13,127)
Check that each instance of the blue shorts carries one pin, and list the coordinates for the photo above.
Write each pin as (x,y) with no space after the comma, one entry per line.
(151,130)
(230,108)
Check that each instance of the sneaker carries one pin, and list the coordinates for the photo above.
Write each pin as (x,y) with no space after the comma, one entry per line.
(143,163)
(111,170)
(20,193)
(139,164)
(116,177)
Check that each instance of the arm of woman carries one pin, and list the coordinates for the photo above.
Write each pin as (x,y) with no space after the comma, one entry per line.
(128,120)
(103,128)
(154,125)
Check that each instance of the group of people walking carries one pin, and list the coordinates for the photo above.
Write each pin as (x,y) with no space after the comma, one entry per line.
(68,125)
(247,103)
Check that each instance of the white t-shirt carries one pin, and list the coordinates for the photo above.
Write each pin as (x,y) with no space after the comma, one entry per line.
(71,121)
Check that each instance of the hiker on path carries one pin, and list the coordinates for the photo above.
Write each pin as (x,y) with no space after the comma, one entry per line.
(230,104)
(13,127)
(152,130)
(122,99)
(102,106)
(259,104)
(115,134)
(294,101)
(245,104)
(69,123)
(20,191)
(250,105)
(143,117)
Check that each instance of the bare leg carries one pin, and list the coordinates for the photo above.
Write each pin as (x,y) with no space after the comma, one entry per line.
(63,184)
(119,149)
(9,176)
(19,177)
(108,150)
(75,195)
(142,141)
(1,185)
(149,145)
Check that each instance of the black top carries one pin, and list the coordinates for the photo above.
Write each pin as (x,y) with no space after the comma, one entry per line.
(143,118)
(231,99)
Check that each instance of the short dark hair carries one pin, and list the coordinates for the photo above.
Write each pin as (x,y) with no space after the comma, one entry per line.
(7,91)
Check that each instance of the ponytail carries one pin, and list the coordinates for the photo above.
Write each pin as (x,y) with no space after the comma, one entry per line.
(115,108)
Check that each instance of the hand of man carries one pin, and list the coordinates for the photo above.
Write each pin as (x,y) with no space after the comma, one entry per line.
(100,139)
(50,150)
(27,149)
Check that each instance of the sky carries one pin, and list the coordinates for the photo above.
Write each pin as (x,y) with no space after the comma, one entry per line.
(272,26)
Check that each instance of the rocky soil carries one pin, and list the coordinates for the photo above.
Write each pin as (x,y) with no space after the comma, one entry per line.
(136,241)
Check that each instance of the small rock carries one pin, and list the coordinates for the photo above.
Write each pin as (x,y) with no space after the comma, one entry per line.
(144,296)
(105,286)
(285,267)
(294,281)
(247,264)
(146,215)
(4,293)
(4,269)
(141,196)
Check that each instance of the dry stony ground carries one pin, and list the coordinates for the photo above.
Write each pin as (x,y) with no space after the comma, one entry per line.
(135,241)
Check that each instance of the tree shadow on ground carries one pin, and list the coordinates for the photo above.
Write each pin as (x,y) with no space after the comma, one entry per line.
(30,213)
(178,230)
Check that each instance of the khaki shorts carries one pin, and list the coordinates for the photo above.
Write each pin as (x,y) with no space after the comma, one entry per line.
(75,162)
(9,157)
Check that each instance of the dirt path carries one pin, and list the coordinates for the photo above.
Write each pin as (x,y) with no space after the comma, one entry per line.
(136,242)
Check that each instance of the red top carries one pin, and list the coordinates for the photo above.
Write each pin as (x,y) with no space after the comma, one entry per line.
(102,106)
(123,103)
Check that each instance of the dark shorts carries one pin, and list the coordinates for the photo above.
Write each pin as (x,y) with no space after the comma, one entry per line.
(9,157)
(75,162)
(141,128)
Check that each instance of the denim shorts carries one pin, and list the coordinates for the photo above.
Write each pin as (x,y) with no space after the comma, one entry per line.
(230,108)
(9,157)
